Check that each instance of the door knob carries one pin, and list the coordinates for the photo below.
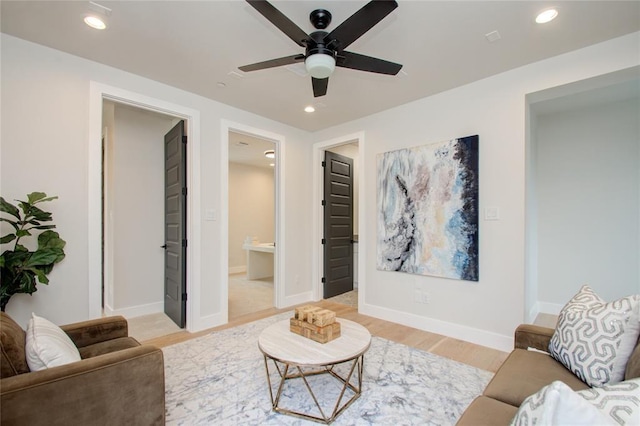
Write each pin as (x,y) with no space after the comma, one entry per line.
(164,246)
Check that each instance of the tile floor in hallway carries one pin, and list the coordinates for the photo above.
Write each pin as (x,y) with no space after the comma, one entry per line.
(248,296)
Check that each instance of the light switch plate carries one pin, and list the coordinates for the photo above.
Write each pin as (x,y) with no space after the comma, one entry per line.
(210,214)
(492,213)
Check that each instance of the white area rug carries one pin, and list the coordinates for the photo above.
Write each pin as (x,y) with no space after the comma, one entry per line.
(219,379)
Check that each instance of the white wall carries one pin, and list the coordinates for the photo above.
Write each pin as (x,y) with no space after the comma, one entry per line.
(45,135)
(135,217)
(588,187)
(488,311)
(45,101)
(351,150)
(251,210)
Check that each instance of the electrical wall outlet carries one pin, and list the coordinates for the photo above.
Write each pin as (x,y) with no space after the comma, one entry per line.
(420,296)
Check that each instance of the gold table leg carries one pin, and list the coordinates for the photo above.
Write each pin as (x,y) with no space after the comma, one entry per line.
(284,373)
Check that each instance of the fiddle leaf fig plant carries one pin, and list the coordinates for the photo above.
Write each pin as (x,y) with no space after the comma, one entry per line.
(21,268)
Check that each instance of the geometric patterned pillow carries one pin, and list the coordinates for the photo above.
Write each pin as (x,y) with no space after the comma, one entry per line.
(621,402)
(558,404)
(594,339)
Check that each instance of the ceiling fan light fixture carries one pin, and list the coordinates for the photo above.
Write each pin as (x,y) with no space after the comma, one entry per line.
(320,65)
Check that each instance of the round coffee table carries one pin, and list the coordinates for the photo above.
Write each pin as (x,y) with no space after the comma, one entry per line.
(297,357)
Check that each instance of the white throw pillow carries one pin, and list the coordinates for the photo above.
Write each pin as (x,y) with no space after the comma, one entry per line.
(557,404)
(47,345)
(620,402)
(594,339)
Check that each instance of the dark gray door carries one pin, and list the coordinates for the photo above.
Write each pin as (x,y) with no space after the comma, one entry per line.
(175,224)
(338,224)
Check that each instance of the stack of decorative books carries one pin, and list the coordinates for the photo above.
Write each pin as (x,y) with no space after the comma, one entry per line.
(315,323)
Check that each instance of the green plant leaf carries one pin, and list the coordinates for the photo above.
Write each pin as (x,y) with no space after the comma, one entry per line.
(44,227)
(40,274)
(46,269)
(7,238)
(14,258)
(9,208)
(50,239)
(24,206)
(34,197)
(22,233)
(26,282)
(20,268)
(43,257)
(39,215)
(46,199)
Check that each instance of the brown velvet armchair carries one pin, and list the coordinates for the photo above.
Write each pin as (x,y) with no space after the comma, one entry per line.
(117,381)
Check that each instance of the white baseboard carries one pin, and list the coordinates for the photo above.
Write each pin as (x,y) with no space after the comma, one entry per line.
(297,299)
(209,321)
(533,313)
(237,269)
(136,311)
(457,331)
(107,310)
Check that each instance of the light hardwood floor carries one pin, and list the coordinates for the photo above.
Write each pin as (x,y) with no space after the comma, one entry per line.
(458,350)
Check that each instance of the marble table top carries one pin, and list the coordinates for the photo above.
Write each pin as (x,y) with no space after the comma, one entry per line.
(278,342)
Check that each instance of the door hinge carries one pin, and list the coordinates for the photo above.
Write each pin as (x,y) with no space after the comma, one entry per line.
(184,297)
(324,164)
(324,202)
(184,139)
(184,243)
(324,241)
(184,191)
(323,280)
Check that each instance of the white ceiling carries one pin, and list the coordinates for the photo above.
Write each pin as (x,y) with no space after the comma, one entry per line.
(194,45)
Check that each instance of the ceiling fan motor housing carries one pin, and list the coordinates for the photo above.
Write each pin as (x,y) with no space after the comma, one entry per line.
(320,60)
(317,44)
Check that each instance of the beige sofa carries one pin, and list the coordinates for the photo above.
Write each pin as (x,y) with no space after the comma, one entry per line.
(524,373)
(117,381)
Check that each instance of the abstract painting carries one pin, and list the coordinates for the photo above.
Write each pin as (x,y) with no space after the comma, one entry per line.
(428,209)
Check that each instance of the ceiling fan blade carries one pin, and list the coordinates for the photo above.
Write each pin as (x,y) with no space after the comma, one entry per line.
(360,62)
(360,22)
(278,19)
(272,63)
(319,86)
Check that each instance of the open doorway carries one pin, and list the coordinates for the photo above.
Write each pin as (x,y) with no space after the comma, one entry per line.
(251,238)
(582,192)
(133,232)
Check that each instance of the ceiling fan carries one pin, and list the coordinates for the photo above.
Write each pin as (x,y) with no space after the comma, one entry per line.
(323,50)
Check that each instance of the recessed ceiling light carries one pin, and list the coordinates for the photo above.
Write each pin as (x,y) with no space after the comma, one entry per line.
(95,22)
(546,16)
(270,153)
(272,164)
(309,108)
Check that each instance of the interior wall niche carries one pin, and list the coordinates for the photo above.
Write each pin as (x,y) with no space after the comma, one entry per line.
(583,191)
